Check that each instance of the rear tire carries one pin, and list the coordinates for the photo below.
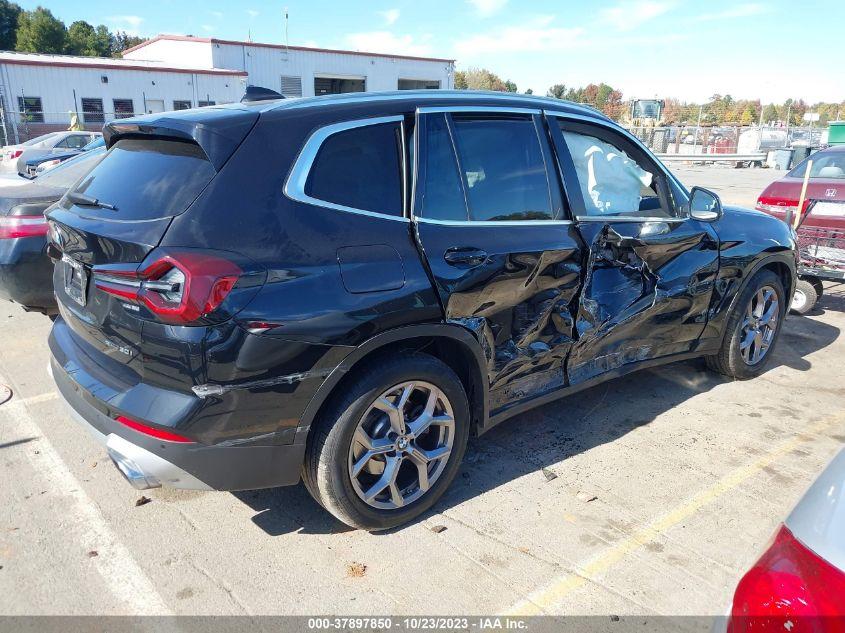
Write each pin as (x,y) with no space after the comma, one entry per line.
(355,447)
(738,358)
(805,297)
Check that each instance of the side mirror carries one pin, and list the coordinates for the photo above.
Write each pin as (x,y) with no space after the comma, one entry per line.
(704,205)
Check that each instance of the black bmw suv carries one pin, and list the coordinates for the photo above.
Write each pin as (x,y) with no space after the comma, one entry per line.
(342,289)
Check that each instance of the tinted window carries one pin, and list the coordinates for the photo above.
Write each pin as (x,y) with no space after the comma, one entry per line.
(829,164)
(360,168)
(68,172)
(441,197)
(148,179)
(503,169)
(611,182)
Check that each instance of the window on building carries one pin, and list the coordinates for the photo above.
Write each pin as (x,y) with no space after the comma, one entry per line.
(205,104)
(419,84)
(502,168)
(123,108)
(30,109)
(291,87)
(92,110)
(360,168)
(182,104)
(337,85)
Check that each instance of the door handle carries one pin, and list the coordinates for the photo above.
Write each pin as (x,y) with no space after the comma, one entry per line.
(465,256)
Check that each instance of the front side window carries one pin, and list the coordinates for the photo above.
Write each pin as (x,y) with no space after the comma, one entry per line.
(613,183)
(360,168)
(502,167)
(74,141)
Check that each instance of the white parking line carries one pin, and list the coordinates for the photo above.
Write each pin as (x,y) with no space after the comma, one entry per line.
(121,573)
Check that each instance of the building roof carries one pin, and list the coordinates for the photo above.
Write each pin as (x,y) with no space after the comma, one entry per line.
(107,63)
(212,40)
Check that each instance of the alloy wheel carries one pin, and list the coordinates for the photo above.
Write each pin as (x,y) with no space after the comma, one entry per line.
(759,325)
(401,445)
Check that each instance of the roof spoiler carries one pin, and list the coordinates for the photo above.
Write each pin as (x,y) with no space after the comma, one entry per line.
(218,131)
(259,93)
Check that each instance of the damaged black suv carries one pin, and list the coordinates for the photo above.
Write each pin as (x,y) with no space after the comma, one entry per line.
(342,289)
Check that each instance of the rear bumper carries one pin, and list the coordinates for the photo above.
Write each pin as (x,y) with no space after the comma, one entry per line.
(26,273)
(147,462)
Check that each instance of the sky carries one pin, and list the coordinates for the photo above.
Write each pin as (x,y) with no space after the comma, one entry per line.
(688,49)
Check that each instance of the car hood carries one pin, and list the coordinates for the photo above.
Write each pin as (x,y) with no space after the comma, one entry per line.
(31,192)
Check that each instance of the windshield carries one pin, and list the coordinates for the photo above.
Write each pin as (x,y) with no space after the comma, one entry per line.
(97,142)
(63,176)
(826,164)
(40,139)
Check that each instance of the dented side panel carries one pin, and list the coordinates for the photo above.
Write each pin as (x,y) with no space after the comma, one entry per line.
(519,302)
(647,289)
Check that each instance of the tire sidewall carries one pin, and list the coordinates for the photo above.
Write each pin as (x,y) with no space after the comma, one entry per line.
(333,479)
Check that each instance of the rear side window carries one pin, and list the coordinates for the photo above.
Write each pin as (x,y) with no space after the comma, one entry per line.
(825,165)
(360,168)
(148,179)
(442,197)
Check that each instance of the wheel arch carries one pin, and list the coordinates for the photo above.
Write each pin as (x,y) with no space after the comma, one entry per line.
(452,344)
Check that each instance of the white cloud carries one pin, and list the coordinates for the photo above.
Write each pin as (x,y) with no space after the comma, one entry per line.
(628,15)
(130,20)
(252,13)
(739,11)
(536,36)
(390,16)
(388,42)
(487,8)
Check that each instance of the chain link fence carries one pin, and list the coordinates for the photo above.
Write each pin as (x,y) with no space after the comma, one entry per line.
(695,140)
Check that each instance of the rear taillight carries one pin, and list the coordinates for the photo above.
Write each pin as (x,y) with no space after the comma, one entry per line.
(14,226)
(15,154)
(779,205)
(159,434)
(178,287)
(789,583)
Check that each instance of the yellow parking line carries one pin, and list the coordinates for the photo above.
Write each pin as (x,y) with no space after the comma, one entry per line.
(547,597)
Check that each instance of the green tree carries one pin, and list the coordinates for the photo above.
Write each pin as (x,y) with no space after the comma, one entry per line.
(770,113)
(9,13)
(558,91)
(122,40)
(479,79)
(529,92)
(40,32)
(84,39)
(510,86)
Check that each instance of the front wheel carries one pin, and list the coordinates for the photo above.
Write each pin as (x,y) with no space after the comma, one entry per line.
(390,443)
(752,328)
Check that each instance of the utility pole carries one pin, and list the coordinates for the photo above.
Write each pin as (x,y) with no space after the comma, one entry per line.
(697,129)
(286,30)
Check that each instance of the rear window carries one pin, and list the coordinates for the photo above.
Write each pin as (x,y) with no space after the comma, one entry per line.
(147,179)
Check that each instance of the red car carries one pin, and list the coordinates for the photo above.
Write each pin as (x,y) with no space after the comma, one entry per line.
(798,585)
(821,233)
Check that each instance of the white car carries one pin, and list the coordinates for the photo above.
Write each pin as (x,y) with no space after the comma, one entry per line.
(15,156)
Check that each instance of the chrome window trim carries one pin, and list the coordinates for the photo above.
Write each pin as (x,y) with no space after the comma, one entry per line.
(468,109)
(615,127)
(491,222)
(295,184)
(627,218)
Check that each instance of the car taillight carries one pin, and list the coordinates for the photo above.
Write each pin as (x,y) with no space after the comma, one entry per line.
(178,287)
(14,226)
(779,205)
(47,165)
(15,154)
(159,434)
(789,583)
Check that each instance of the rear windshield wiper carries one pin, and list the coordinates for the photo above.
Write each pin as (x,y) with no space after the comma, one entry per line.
(88,201)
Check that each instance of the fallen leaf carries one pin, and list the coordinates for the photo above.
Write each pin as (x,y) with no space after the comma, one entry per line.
(586,497)
(437,529)
(93,553)
(356,570)
(549,474)
(142,501)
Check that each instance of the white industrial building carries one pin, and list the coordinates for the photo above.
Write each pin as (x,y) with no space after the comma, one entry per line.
(174,72)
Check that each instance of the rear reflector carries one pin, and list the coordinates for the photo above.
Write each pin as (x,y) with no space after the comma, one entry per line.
(152,432)
(15,226)
(789,583)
